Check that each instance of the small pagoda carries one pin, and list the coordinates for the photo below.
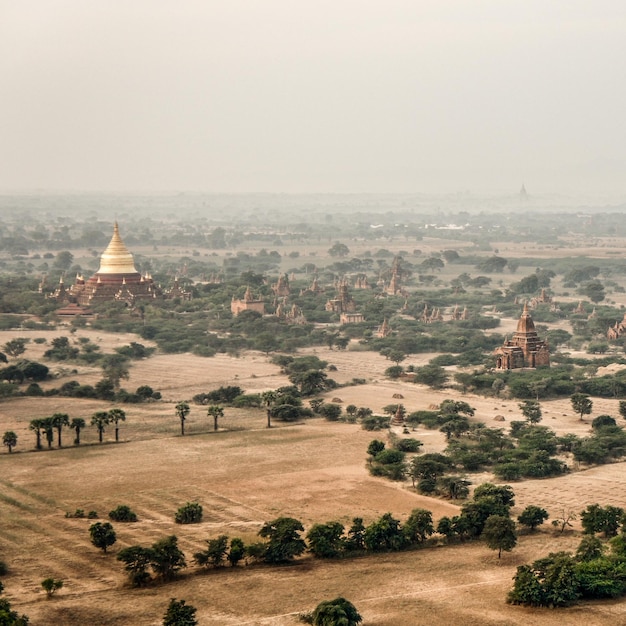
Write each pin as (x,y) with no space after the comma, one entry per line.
(247,303)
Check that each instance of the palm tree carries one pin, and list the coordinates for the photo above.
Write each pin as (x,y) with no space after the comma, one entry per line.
(116,416)
(182,410)
(216,411)
(269,398)
(48,427)
(58,421)
(9,440)
(100,421)
(37,425)
(77,423)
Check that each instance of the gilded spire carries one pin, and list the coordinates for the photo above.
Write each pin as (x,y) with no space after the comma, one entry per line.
(116,259)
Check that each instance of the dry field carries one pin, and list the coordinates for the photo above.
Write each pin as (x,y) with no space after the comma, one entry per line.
(245,474)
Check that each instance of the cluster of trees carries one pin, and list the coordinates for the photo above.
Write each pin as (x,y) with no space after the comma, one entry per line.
(390,462)
(283,541)
(560,380)
(487,517)
(100,419)
(595,571)
(529,451)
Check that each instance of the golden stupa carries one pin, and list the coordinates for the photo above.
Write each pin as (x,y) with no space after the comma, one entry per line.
(116,259)
(117,279)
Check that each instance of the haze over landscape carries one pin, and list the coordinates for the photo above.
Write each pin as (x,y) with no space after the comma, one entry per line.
(319,303)
(283,96)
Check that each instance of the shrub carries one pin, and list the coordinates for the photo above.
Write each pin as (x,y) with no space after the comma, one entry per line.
(408,445)
(375,422)
(51,585)
(122,513)
(190,513)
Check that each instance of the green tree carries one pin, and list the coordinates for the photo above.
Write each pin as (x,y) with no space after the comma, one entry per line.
(180,614)
(269,399)
(428,467)
(499,533)
(115,417)
(332,412)
(602,421)
(284,541)
(432,263)
(58,421)
(51,586)
(48,429)
(337,612)
(491,265)
(595,519)
(385,534)
(594,290)
(36,425)
(531,410)
(190,513)
(64,260)
(100,420)
(326,540)
(431,375)
(15,347)
(453,487)
(215,411)
(622,408)
(215,553)
(310,382)
(236,552)
(77,424)
(551,581)
(375,446)
(502,494)
(582,404)
(589,549)
(123,513)
(532,516)
(182,410)
(136,561)
(104,389)
(166,558)
(419,526)
(102,535)
(339,249)
(9,439)
(115,368)
(356,535)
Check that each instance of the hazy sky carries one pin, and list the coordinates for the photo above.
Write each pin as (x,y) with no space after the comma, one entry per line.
(313,95)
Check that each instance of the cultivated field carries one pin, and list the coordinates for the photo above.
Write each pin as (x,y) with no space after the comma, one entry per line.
(244,475)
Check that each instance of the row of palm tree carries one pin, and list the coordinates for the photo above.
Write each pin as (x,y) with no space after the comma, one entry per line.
(100,419)
(182,410)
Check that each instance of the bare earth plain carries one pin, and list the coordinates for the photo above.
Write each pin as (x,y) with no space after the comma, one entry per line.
(245,474)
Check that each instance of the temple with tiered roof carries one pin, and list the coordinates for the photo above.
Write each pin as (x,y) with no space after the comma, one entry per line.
(524,349)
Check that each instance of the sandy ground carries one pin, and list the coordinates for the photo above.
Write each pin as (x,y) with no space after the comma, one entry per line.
(245,474)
